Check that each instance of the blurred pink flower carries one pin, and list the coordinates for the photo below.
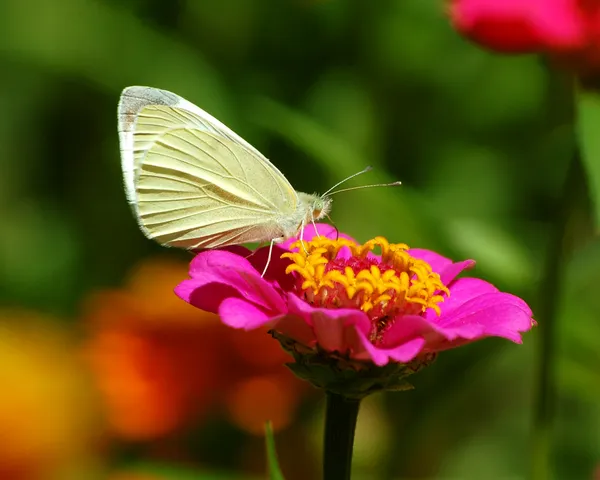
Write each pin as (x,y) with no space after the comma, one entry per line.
(568,31)
(517,26)
(338,296)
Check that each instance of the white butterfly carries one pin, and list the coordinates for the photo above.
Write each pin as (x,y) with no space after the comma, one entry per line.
(193,183)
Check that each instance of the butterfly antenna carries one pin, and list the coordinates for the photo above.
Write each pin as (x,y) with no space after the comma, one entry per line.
(368,169)
(337,231)
(393,184)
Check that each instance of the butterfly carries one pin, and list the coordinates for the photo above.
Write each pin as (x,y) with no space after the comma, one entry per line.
(193,183)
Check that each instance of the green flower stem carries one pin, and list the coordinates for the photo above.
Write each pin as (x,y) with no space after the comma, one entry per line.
(340,423)
(558,251)
(545,388)
(550,293)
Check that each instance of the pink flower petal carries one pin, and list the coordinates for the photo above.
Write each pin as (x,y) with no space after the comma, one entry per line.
(402,353)
(217,275)
(450,272)
(406,338)
(561,24)
(462,290)
(238,313)
(277,265)
(488,314)
(446,268)
(297,328)
(437,262)
(498,313)
(205,296)
(517,26)
(334,329)
(210,260)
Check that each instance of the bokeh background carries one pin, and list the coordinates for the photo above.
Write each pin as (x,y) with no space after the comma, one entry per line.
(106,375)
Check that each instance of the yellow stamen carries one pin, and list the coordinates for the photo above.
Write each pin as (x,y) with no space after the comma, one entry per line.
(397,284)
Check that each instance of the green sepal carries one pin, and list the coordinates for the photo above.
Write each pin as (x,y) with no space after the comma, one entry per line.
(340,374)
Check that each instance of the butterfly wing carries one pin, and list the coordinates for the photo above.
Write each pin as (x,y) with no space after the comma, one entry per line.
(196,189)
(138,131)
(192,181)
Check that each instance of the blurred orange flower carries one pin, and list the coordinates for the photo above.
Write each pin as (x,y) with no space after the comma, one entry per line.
(162,365)
(135,476)
(46,412)
(153,360)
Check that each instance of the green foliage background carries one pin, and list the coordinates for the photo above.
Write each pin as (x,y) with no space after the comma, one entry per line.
(323,88)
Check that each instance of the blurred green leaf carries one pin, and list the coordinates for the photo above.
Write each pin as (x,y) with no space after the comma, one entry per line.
(173,472)
(496,251)
(314,139)
(108,46)
(29,264)
(378,211)
(589,137)
(345,107)
(579,327)
(583,272)
(272,462)
(580,379)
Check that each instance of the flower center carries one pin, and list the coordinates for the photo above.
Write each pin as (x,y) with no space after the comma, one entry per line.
(384,287)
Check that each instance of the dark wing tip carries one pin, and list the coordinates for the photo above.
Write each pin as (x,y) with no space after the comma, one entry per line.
(135,98)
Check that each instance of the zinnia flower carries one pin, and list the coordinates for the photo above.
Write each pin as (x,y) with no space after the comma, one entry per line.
(330,299)
(517,26)
(568,31)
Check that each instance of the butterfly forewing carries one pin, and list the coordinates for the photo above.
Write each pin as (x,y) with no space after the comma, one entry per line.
(140,125)
(196,189)
(191,180)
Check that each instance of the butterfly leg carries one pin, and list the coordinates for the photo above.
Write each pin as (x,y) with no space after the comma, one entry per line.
(268,258)
(315,225)
(302,237)
(252,252)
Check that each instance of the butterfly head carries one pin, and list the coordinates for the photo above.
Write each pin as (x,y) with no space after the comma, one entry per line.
(321,207)
(315,207)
